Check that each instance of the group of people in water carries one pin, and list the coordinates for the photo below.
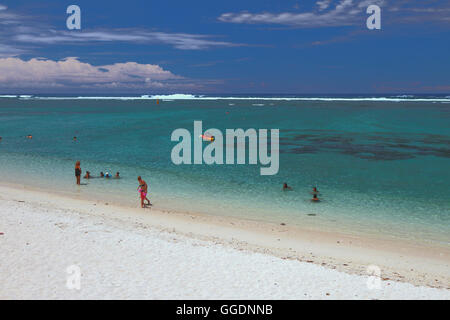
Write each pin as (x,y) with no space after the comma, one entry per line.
(142,189)
(102,175)
(89,176)
(314,192)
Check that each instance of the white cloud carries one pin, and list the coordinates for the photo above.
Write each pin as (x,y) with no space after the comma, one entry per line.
(9,51)
(24,30)
(345,12)
(181,41)
(323,4)
(44,73)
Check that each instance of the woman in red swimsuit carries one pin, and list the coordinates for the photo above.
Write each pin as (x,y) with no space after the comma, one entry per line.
(143,188)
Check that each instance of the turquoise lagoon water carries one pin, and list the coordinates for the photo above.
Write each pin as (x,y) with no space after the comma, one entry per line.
(382,164)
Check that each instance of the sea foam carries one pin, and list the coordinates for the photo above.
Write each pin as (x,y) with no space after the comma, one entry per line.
(179,96)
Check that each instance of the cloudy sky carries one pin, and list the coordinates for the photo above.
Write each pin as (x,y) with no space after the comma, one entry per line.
(139,46)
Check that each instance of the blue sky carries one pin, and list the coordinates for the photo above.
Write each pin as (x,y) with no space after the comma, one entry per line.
(303,47)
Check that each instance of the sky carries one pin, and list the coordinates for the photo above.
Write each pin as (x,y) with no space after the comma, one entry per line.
(235,47)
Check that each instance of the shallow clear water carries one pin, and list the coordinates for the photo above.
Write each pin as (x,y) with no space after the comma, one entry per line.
(381,166)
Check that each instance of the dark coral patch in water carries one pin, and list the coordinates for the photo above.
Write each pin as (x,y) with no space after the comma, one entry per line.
(301,150)
(386,146)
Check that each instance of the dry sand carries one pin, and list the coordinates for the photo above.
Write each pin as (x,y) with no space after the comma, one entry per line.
(130,253)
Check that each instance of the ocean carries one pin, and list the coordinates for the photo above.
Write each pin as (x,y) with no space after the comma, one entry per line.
(381,163)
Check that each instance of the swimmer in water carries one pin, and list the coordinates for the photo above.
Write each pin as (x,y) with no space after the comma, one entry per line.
(78,171)
(107,175)
(102,175)
(286,187)
(117,175)
(87,175)
(29,136)
(74,138)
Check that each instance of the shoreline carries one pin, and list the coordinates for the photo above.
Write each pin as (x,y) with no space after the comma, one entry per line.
(399,261)
(413,222)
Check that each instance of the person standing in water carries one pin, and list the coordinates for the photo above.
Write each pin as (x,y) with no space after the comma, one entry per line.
(78,171)
(143,189)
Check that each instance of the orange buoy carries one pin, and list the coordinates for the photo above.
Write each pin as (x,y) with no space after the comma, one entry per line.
(207,138)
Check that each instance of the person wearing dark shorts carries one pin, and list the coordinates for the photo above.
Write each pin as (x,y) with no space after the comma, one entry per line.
(78,171)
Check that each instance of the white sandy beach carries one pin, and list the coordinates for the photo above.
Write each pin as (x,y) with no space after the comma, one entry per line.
(145,254)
